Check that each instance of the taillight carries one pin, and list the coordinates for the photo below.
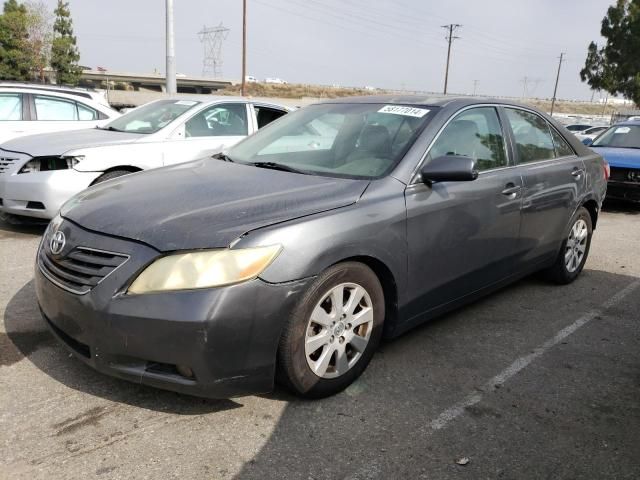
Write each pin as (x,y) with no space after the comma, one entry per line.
(607,170)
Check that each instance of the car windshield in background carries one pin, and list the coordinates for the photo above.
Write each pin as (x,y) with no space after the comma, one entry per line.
(619,136)
(152,117)
(355,140)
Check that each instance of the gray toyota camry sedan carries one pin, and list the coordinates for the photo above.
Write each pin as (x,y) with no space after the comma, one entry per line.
(290,256)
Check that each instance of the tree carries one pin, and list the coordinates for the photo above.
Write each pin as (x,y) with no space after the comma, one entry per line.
(615,67)
(64,52)
(40,30)
(16,57)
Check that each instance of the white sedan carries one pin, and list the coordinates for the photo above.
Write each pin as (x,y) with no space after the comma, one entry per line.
(31,109)
(38,173)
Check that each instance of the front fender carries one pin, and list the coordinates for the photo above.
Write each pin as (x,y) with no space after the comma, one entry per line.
(100,159)
(373,227)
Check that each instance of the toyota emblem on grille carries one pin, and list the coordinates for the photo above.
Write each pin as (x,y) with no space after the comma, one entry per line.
(57,242)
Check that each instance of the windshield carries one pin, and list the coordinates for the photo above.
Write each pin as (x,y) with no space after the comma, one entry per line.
(620,136)
(341,140)
(151,117)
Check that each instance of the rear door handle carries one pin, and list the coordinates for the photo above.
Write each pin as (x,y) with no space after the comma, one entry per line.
(511,190)
(577,172)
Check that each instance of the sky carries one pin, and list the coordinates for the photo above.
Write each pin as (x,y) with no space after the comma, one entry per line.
(394,44)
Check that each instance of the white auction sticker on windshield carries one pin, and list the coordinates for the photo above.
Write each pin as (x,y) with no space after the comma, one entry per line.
(622,130)
(403,110)
(190,103)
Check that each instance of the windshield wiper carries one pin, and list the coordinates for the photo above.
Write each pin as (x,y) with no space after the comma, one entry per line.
(110,129)
(222,156)
(278,166)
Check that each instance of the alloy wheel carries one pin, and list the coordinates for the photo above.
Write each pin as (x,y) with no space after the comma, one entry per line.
(576,245)
(339,330)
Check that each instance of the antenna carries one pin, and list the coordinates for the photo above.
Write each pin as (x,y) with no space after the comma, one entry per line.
(212,38)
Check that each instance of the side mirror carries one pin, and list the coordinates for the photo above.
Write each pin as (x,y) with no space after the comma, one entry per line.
(587,141)
(449,168)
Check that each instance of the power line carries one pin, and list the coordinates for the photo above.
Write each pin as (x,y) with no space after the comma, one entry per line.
(555,89)
(452,27)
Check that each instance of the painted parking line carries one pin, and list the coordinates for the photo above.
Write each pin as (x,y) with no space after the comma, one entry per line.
(450,414)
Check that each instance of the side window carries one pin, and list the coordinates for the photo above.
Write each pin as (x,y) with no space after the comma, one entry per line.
(10,106)
(266,115)
(475,133)
(562,147)
(50,108)
(532,136)
(223,120)
(86,113)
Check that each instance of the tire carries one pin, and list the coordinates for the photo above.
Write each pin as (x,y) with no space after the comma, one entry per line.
(110,176)
(573,253)
(340,357)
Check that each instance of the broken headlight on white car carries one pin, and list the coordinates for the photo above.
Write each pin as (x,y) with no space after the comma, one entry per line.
(46,164)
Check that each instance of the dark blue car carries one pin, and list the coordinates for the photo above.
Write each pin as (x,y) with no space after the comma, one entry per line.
(620,146)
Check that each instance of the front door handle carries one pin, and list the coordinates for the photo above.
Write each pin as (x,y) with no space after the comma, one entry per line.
(511,190)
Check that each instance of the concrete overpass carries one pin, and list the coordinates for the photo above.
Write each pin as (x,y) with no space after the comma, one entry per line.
(149,82)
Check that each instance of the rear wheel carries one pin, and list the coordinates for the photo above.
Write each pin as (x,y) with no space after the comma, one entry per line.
(333,333)
(110,176)
(574,251)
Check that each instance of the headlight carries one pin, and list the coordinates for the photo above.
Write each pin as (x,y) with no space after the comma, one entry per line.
(46,164)
(204,269)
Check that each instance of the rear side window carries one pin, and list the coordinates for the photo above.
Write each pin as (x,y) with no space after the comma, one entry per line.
(86,113)
(532,136)
(562,147)
(474,133)
(266,115)
(57,109)
(10,106)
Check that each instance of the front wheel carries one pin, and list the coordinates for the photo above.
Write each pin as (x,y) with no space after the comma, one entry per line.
(574,251)
(333,333)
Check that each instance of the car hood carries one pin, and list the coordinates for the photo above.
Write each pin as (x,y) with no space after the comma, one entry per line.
(620,157)
(58,143)
(204,203)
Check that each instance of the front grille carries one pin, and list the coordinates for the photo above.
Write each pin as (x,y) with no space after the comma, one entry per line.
(81,269)
(5,163)
(625,174)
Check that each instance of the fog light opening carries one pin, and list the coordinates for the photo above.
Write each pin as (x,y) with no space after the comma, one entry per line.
(185,371)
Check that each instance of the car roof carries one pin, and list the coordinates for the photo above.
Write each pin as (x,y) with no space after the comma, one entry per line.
(78,92)
(427,101)
(629,122)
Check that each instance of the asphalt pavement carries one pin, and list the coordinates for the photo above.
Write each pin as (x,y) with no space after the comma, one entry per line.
(534,382)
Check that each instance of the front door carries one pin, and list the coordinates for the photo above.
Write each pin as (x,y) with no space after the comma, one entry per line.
(463,235)
(208,132)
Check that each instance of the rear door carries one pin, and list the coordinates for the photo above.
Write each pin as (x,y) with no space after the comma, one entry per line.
(54,114)
(263,115)
(12,115)
(554,182)
(463,235)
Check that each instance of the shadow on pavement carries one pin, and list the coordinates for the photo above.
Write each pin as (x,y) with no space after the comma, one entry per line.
(11,224)
(26,335)
(618,206)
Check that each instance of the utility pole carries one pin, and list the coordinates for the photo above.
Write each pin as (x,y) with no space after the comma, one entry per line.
(243,91)
(475,86)
(171,54)
(452,27)
(555,89)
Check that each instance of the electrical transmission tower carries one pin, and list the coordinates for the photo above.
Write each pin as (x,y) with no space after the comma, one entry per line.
(212,38)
